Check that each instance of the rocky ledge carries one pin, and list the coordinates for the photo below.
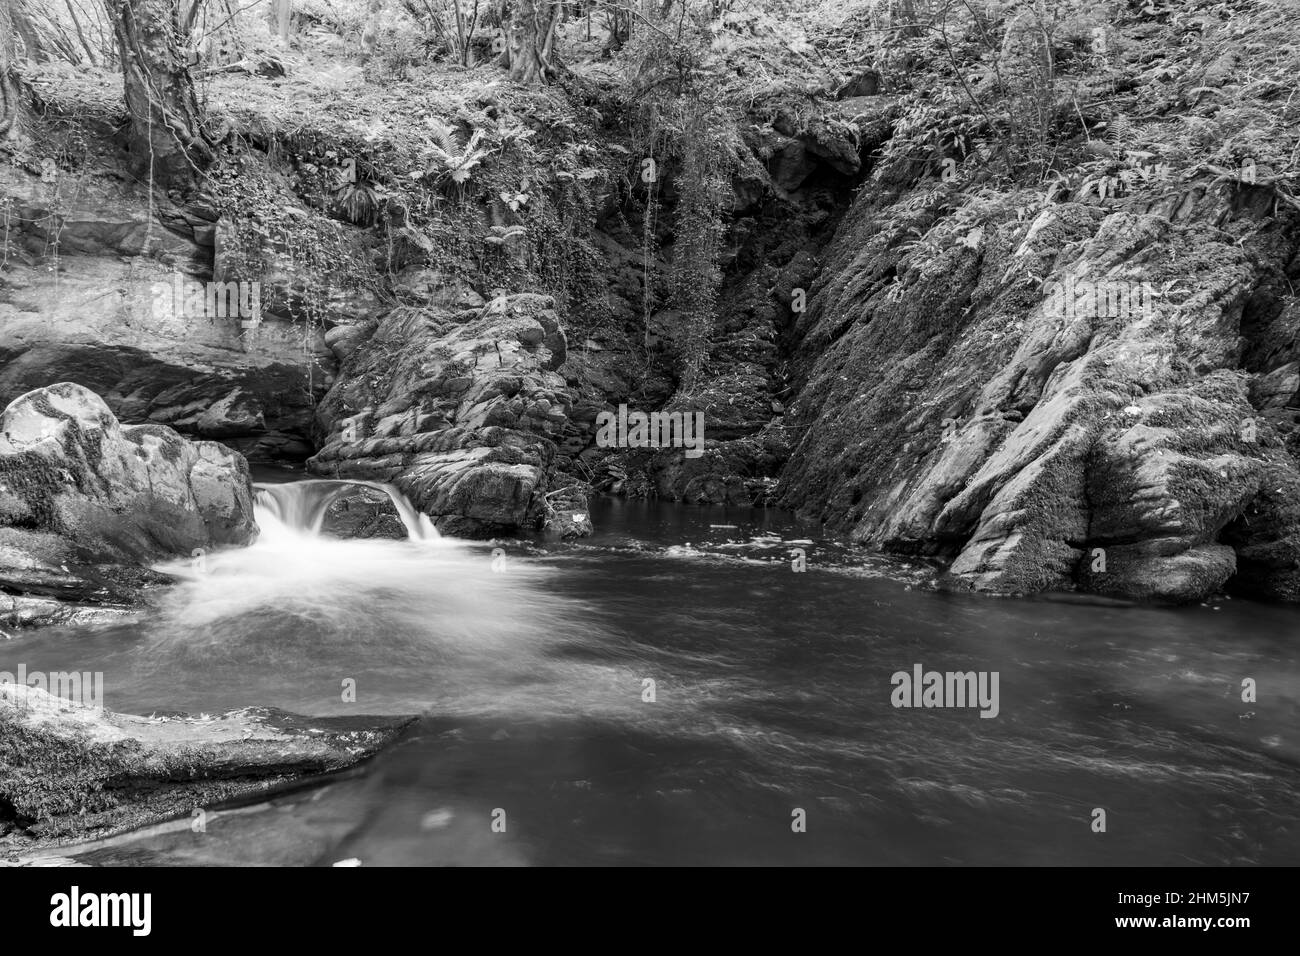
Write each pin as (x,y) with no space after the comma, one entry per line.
(69,772)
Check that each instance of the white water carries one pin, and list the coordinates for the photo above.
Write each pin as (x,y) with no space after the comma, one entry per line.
(429,621)
(302,505)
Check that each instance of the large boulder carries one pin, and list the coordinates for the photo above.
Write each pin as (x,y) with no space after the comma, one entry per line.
(461,411)
(86,503)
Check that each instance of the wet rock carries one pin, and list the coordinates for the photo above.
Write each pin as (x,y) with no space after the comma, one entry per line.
(86,502)
(1163,571)
(1266,536)
(462,412)
(364,513)
(568,512)
(44,580)
(71,771)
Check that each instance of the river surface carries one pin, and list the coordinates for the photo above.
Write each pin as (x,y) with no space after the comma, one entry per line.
(767,736)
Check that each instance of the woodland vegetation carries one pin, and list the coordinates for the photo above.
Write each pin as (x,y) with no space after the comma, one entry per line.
(396,114)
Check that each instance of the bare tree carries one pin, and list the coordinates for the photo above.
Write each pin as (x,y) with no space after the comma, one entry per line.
(165,134)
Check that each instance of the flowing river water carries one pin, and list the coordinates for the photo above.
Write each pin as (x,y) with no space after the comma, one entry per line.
(529,664)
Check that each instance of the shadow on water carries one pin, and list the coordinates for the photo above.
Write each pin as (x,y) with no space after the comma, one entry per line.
(771,695)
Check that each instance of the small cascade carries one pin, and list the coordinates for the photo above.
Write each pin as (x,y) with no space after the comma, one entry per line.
(301,505)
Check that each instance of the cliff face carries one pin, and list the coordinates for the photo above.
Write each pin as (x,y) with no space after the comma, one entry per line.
(1086,383)
(95,293)
(959,417)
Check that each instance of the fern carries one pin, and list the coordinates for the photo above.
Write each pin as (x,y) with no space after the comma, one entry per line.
(1120,131)
(447,156)
(360,203)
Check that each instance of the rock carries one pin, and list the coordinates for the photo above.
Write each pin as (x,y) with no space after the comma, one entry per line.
(205,377)
(866,83)
(568,513)
(131,493)
(1266,536)
(101,217)
(789,162)
(461,412)
(17,612)
(798,273)
(1277,389)
(343,340)
(100,313)
(292,290)
(85,502)
(364,513)
(425,286)
(945,407)
(1143,572)
(44,581)
(71,771)
(834,147)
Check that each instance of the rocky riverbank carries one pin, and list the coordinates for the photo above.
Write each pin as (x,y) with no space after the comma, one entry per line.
(87,507)
(69,772)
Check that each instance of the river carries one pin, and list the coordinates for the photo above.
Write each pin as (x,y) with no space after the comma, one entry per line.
(767,735)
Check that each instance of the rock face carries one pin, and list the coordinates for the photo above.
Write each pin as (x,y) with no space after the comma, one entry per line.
(85,501)
(784,204)
(963,407)
(113,325)
(460,410)
(70,771)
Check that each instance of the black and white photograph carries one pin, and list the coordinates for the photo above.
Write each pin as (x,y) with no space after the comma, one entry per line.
(651,433)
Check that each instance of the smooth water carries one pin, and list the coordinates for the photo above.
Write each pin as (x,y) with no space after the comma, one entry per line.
(771,695)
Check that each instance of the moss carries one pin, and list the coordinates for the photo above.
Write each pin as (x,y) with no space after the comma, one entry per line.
(36,481)
(45,774)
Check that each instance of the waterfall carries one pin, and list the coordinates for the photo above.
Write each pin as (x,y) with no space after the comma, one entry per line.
(301,505)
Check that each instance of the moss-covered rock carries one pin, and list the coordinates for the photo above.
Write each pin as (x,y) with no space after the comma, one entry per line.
(86,504)
(70,771)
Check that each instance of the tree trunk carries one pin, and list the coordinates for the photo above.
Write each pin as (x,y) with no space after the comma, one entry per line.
(33,43)
(165,135)
(10,94)
(284,10)
(528,40)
